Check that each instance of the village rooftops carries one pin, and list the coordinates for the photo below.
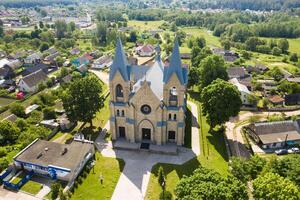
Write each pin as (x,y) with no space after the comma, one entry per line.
(35,78)
(62,156)
(294,80)
(274,132)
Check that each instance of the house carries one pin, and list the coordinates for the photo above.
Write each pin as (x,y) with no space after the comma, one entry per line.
(102,62)
(137,95)
(12,118)
(276,100)
(237,72)
(82,60)
(75,51)
(294,80)
(268,85)
(243,91)
(82,69)
(33,58)
(185,56)
(50,59)
(229,56)
(54,160)
(3,62)
(64,122)
(30,82)
(7,83)
(292,99)
(146,50)
(31,108)
(6,73)
(46,68)
(67,79)
(14,64)
(247,81)
(271,135)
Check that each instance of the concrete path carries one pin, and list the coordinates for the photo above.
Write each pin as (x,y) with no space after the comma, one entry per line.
(134,179)
(195,128)
(103,76)
(10,195)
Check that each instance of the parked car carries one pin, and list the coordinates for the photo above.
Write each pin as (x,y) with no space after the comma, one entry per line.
(294,150)
(281,152)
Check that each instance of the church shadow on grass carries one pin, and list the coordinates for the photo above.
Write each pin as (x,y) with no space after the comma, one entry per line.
(217,140)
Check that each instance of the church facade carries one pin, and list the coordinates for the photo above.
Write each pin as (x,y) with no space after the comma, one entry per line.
(148,103)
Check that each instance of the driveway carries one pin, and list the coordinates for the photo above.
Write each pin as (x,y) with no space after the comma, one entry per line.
(134,179)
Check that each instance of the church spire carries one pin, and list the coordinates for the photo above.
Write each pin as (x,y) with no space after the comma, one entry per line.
(120,62)
(175,65)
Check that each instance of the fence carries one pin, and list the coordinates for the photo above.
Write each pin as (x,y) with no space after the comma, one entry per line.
(18,185)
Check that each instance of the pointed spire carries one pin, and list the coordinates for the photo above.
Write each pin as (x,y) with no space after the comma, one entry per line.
(175,65)
(120,62)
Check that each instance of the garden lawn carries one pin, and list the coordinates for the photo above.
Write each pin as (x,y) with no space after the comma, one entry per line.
(202,32)
(213,156)
(5,101)
(30,187)
(91,188)
(145,25)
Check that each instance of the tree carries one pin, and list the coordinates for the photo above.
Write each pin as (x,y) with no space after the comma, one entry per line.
(71,27)
(101,33)
(49,113)
(18,110)
(273,186)
(44,46)
(173,27)
(21,124)
(9,132)
(220,100)
(161,176)
(276,51)
(226,44)
(208,184)
(31,133)
(294,57)
(200,42)
(211,68)
(60,28)
(283,44)
(132,36)
(193,77)
(276,73)
(41,24)
(55,187)
(83,99)
(1,29)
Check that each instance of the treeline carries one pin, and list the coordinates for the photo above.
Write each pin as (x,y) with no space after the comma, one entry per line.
(33,3)
(245,4)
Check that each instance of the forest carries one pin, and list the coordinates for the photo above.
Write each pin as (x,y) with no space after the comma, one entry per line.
(33,3)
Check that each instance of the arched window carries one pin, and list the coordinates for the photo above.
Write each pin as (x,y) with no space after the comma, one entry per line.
(175,117)
(118,113)
(173,96)
(170,116)
(123,113)
(119,91)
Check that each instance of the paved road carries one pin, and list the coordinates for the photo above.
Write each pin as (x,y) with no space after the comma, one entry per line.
(10,195)
(103,76)
(134,179)
(233,130)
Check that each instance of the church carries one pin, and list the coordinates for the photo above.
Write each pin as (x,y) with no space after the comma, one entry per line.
(148,103)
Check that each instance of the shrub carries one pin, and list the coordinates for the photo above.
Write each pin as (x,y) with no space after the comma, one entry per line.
(55,187)
(165,195)
(18,110)
(49,113)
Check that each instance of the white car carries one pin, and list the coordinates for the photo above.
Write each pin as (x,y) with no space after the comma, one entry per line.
(294,150)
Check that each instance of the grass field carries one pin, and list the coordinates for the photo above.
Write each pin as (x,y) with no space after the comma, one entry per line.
(30,187)
(5,101)
(213,156)
(145,25)
(202,32)
(91,188)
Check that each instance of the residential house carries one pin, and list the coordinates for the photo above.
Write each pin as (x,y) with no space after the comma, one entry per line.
(102,62)
(14,64)
(75,51)
(57,161)
(146,50)
(30,82)
(46,68)
(294,80)
(185,56)
(3,62)
(229,56)
(237,72)
(244,92)
(34,58)
(82,60)
(271,135)
(276,100)
(6,73)
(31,108)
(292,99)
(50,59)
(268,85)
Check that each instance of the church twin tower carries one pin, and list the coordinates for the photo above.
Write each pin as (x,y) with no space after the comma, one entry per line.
(148,103)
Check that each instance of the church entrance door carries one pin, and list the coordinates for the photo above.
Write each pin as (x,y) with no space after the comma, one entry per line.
(122,131)
(146,134)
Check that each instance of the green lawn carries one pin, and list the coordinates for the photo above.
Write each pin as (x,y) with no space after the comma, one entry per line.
(5,101)
(213,156)
(202,32)
(145,25)
(91,188)
(30,187)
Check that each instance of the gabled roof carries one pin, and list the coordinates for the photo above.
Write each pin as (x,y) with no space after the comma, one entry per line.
(120,63)
(241,87)
(175,66)
(35,78)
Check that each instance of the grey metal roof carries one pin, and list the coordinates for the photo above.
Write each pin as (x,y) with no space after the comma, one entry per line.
(120,63)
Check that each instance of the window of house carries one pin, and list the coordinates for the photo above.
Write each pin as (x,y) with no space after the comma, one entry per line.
(119,91)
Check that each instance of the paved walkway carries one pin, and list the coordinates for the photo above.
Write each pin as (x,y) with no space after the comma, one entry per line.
(103,76)
(134,179)
(10,195)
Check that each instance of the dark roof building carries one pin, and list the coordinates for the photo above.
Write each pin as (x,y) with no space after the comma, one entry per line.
(30,82)
(275,134)
(59,161)
(292,99)
(236,72)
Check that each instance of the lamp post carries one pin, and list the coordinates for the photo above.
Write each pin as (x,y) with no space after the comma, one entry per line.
(163,185)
